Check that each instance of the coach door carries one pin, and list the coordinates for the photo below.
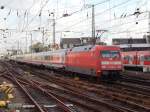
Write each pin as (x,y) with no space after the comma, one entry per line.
(141,60)
(130,60)
(138,60)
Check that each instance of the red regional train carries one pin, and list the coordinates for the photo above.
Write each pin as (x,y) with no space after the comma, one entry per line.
(93,60)
(138,60)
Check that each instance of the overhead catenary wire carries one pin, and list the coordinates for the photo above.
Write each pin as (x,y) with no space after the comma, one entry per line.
(60,17)
(46,2)
(131,31)
(15,9)
(19,13)
(83,8)
(105,21)
(71,13)
(97,14)
(26,15)
(75,11)
(100,13)
(115,19)
(125,23)
(115,26)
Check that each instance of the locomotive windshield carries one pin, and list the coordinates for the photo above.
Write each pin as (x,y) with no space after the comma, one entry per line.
(110,54)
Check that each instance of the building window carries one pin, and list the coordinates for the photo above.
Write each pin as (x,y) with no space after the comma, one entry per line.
(70,45)
(84,41)
(64,45)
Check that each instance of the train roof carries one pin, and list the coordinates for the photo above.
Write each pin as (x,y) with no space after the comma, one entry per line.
(82,48)
(48,52)
(74,49)
(42,53)
(92,47)
(138,52)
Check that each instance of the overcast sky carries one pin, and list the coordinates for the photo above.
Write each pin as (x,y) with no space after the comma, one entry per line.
(22,16)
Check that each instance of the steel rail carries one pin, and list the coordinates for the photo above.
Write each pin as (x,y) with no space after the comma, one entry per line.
(61,104)
(79,93)
(27,81)
(31,83)
(132,79)
(25,91)
(58,81)
(98,87)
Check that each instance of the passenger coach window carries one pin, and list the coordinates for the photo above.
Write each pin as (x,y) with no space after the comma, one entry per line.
(146,58)
(110,54)
(128,58)
(142,58)
(46,57)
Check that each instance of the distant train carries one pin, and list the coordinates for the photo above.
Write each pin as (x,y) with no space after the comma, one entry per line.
(138,60)
(93,60)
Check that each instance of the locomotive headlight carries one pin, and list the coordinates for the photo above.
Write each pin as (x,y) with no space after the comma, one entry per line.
(103,66)
(105,62)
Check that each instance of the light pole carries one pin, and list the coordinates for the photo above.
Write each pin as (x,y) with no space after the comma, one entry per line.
(18,44)
(43,34)
(53,28)
(93,24)
(93,21)
(43,37)
(26,43)
(31,43)
(148,36)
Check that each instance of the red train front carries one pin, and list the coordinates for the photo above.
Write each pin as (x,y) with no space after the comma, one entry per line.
(97,60)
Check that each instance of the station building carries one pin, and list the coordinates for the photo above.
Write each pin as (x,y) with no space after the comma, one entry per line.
(132,44)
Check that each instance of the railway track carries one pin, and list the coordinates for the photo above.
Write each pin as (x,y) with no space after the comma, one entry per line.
(135,79)
(29,87)
(121,98)
(82,100)
(136,74)
(104,91)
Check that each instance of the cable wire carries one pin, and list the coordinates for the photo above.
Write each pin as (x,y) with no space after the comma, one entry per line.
(122,3)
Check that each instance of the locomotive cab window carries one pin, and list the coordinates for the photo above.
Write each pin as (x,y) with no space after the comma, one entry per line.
(110,54)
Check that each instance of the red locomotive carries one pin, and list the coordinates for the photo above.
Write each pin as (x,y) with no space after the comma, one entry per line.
(93,60)
(137,59)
